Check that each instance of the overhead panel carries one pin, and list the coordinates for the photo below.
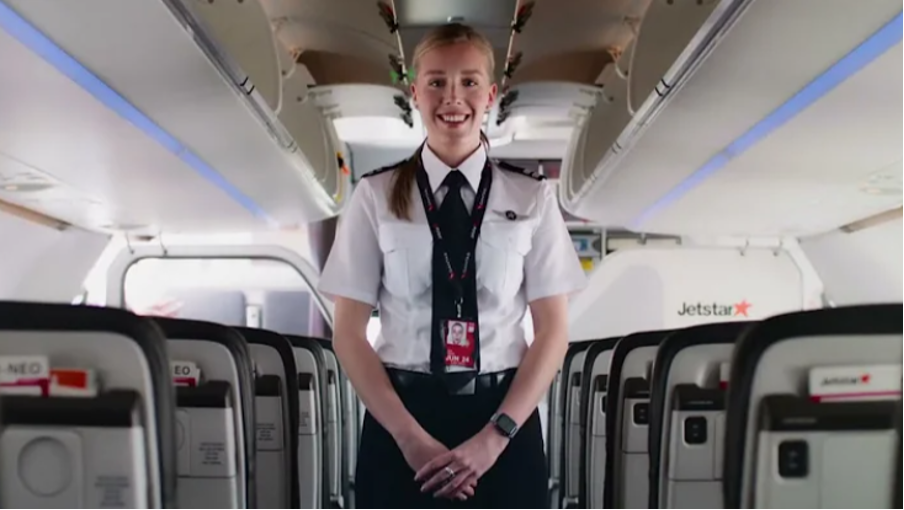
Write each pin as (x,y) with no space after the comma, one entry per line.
(754,108)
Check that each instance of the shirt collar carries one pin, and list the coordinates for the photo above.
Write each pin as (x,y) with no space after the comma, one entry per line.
(471,168)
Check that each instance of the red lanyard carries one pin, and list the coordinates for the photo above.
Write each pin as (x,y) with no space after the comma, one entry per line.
(477,214)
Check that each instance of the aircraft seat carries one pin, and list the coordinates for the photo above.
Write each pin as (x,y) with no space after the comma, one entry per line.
(312,454)
(209,360)
(553,438)
(627,420)
(812,406)
(348,431)
(88,409)
(276,411)
(899,477)
(570,454)
(333,414)
(593,400)
(687,415)
(226,307)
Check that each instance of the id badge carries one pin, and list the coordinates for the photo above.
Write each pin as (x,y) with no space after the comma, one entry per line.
(460,338)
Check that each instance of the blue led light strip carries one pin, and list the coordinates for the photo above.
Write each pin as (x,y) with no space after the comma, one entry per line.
(41,45)
(870,49)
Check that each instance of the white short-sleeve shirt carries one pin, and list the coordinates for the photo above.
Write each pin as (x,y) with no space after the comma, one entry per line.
(524,253)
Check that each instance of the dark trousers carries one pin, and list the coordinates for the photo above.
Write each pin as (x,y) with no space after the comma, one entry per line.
(518,479)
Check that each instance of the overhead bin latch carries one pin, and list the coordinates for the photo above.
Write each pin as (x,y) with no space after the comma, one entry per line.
(512,65)
(521,16)
(388,16)
(398,74)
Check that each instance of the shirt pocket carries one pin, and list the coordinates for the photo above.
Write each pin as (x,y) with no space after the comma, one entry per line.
(407,252)
(500,260)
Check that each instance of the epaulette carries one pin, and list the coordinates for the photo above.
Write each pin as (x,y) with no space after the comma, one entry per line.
(387,168)
(536,175)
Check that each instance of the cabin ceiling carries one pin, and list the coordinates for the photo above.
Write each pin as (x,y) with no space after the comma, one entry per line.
(835,162)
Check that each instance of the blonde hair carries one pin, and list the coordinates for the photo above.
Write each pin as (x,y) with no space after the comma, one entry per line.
(443,35)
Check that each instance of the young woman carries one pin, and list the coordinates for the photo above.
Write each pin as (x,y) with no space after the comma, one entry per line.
(454,250)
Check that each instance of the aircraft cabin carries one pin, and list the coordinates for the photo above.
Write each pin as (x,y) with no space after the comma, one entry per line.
(173,174)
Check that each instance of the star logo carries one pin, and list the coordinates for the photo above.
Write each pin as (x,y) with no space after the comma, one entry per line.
(865,378)
(741,308)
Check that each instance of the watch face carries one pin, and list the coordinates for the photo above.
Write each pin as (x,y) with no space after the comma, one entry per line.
(506,424)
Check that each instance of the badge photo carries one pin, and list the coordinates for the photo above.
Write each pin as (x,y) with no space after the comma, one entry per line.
(459,338)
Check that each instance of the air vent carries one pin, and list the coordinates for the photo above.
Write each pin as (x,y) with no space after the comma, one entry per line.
(25,187)
(17,177)
(884,182)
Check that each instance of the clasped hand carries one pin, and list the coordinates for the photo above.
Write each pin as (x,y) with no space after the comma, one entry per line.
(454,473)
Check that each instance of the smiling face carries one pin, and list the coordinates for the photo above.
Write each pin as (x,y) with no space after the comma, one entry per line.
(457,331)
(452,91)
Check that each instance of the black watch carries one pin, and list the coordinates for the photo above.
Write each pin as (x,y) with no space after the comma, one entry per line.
(504,424)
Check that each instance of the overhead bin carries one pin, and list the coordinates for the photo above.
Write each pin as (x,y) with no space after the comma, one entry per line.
(179,78)
(359,100)
(596,138)
(563,94)
(664,45)
(541,103)
(744,100)
(573,158)
(314,133)
(87,409)
(243,34)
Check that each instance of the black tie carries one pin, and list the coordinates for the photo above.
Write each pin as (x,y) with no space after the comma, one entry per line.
(455,224)
(454,220)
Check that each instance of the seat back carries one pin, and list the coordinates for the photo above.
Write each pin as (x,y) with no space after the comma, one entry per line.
(627,418)
(571,424)
(87,408)
(553,438)
(897,496)
(276,412)
(351,430)
(221,359)
(312,454)
(687,416)
(335,427)
(226,307)
(594,387)
(811,410)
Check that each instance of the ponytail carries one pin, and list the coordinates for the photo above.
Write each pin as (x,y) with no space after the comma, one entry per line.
(402,184)
(403,181)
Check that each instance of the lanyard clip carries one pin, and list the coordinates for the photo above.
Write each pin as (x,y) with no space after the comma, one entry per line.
(458,308)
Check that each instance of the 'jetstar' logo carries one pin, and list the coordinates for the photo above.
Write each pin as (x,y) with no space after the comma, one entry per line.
(700,309)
